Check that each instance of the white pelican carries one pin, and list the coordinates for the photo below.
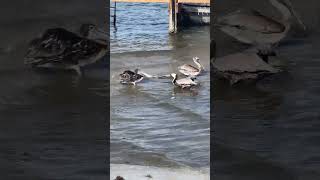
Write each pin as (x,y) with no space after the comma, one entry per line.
(256,29)
(130,77)
(183,83)
(59,48)
(190,70)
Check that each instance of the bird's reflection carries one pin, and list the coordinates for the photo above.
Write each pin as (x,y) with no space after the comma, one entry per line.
(193,91)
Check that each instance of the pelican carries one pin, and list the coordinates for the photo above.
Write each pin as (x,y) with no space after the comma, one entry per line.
(59,48)
(256,29)
(243,66)
(184,82)
(129,77)
(190,70)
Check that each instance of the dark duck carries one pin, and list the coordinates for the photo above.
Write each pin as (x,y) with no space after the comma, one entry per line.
(130,77)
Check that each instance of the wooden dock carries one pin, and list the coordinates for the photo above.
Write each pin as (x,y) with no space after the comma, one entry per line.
(165,1)
(174,8)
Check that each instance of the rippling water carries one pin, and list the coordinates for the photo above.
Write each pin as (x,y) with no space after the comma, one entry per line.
(50,125)
(154,123)
(271,131)
(51,122)
(140,27)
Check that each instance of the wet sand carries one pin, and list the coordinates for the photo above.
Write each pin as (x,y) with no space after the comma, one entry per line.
(145,173)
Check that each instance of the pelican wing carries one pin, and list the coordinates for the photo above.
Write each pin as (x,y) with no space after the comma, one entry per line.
(61,46)
(67,52)
(253,21)
(187,67)
(186,81)
(242,62)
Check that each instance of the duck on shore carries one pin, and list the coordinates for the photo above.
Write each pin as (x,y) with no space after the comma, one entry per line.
(59,48)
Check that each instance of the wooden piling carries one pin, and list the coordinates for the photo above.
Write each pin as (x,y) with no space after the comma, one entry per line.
(115,15)
(172,18)
(173,8)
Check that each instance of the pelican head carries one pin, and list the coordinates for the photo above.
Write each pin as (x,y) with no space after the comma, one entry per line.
(196,59)
(136,71)
(175,76)
(92,32)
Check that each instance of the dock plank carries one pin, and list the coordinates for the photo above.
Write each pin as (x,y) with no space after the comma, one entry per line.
(166,1)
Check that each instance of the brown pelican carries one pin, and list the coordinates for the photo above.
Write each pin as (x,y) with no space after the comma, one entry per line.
(129,77)
(243,66)
(183,83)
(190,70)
(256,29)
(59,48)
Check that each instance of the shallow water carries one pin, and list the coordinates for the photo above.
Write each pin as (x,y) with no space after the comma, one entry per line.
(271,130)
(50,125)
(50,122)
(140,27)
(154,123)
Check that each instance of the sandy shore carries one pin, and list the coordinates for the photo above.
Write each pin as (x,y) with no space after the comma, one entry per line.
(134,172)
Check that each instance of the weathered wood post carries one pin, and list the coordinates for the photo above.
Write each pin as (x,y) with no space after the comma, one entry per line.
(176,14)
(115,15)
(172,16)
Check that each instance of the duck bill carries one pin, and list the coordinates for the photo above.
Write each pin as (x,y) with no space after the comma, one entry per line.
(99,36)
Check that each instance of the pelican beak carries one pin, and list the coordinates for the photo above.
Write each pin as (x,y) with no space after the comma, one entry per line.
(295,14)
(99,36)
(303,26)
